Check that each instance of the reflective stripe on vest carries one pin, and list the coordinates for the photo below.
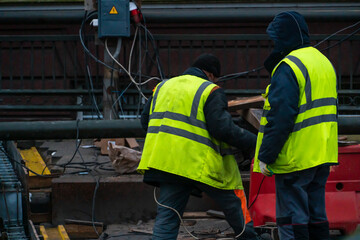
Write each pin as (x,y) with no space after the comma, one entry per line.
(177,140)
(316,119)
(310,104)
(191,120)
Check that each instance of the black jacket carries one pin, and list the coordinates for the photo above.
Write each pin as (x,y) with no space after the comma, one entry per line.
(289,32)
(219,124)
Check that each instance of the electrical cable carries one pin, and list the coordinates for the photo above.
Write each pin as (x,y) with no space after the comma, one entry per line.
(98,112)
(87,51)
(112,82)
(113,109)
(89,83)
(244,215)
(139,75)
(119,98)
(132,48)
(336,33)
(173,209)
(182,222)
(127,72)
(257,194)
(84,46)
(93,206)
(131,78)
(236,75)
(78,143)
(342,40)
(155,49)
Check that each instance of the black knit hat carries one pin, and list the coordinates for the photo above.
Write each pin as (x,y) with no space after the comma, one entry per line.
(209,63)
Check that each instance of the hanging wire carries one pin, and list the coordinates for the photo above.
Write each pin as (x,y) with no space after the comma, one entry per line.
(336,33)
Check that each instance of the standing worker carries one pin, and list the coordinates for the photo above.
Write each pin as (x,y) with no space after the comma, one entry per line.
(186,148)
(297,139)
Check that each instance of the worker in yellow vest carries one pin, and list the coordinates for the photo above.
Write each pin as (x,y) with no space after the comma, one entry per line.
(186,149)
(297,140)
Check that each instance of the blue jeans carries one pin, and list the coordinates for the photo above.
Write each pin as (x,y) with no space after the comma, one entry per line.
(177,195)
(300,204)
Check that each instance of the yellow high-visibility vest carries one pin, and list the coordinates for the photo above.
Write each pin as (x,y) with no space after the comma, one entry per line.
(177,140)
(313,140)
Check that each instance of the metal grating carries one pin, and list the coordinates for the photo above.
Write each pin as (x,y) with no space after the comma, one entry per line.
(10,200)
(45,76)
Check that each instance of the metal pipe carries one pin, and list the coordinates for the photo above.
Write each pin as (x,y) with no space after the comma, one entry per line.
(70,129)
(348,124)
(240,92)
(37,92)
(180,13)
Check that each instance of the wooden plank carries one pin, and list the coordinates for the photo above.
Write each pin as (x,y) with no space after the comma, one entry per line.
(82,222)
(136,230)
(245,103)
(63,233)
(132,143)
(44,233)
(196,215)
(54,233)
(252,116)
(82,231)
(39,182)
(214,213)
(41,190)
(34,161)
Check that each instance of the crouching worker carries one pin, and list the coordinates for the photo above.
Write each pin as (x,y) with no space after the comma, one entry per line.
(189,133)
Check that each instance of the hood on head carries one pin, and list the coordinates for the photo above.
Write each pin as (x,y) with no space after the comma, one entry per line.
(289,31)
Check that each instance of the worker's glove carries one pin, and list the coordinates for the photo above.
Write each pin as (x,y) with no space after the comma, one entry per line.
(265,169)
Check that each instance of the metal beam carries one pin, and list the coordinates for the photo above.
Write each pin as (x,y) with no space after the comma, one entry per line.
(348,124)
(181,13)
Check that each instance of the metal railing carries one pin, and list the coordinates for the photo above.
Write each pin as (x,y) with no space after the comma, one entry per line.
(46,76)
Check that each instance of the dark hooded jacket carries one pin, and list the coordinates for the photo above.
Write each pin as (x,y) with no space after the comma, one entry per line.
(219,124)
(289,32)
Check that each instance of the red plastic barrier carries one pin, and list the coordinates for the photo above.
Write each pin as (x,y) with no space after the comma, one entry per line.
(342,193)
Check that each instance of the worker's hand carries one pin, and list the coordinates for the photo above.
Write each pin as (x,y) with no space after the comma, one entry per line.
(265,169)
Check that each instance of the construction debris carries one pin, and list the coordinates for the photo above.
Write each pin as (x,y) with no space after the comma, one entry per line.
(124,159)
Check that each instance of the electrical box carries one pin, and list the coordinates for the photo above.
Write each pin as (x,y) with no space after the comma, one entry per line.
(114,18)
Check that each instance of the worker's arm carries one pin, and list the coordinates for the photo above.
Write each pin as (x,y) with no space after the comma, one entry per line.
(221,126)
(283,98)
(145,114)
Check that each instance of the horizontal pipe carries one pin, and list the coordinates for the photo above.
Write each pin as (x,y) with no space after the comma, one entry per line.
(51,108)
(53,92)
(348,124)
(70,129)
(87,108)
(191,13)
